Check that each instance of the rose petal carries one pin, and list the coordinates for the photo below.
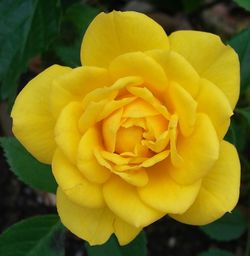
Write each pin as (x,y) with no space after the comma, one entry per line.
(74,85)
(215,104)
(67,134)
(92,224)
(177,69)
(127,32)
(199,152)
(185,107)
(86,160)
(219,191)
(33,123)
(73,183)
(164,194)
(110,127)
(211,59)
(124,201)
(125,232)
(140,64)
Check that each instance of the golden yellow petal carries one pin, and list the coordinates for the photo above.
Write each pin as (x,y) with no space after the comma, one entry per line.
(86,160)
(219,190)
(94,225)
(215,104)
(125,232)
(140,64)
(74,185)
(74,85)
(184,106)
(198,151)
(67,134)
(123,199)
(212,59)
(33,123)
(177,69)
(164,194)
(127,32)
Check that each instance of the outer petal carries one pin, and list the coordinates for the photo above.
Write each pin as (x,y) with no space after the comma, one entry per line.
(199,152)
(33,123)
(219,192)
(124,201)
(74,185)
(164,194)
(93,225)
(211,58)
(125,232)
(215,104)
(127,32)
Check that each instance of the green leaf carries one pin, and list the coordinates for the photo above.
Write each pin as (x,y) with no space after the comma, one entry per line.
(245,112)
(27,28)
(81,15)
(238,131)
(111,247)
(191,5)
(230,226)
(37,236)
(241,44)
(75,22)
(215,252)
(26,167)
(243,3)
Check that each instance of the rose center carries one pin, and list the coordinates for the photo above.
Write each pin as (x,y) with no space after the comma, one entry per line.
(128,138)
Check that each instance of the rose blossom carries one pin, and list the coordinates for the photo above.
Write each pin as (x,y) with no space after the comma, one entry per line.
(137,131)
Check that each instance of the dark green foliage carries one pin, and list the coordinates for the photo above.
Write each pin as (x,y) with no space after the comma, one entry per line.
(111,247)
(243,3)
(27,28)
(75,22)
(241,44)
(216,252)
(37,236)
(230,226)
(26,167)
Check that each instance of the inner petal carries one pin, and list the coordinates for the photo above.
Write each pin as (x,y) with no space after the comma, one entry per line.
(139,108)
(128,138)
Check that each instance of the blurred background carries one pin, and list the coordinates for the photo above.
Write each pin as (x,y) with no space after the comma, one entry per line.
(35,34)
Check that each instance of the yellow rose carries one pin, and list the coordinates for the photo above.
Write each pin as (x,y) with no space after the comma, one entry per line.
(137,131)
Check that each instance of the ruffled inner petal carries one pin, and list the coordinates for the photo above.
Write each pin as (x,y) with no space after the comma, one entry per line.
(139,64)
(110,127)
(86,160)
(147,96)
(185,107)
